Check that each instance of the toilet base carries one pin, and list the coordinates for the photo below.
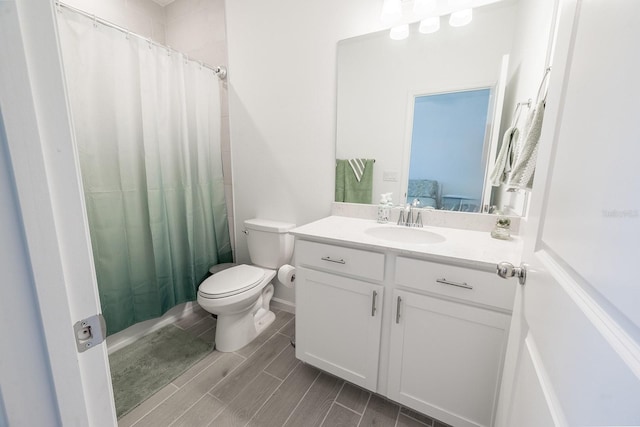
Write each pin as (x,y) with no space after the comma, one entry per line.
(263,319)
(234,331)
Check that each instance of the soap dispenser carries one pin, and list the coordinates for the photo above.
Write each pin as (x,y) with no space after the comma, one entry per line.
(384,208)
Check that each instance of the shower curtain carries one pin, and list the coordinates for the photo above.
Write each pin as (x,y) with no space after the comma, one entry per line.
(147,126)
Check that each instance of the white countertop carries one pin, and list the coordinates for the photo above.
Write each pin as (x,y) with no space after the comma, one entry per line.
(476,249)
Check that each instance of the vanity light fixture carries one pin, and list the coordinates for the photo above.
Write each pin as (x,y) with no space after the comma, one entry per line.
(391,12)
(429,25)
(399,32)
(428,12)
(462,13)
(461,17)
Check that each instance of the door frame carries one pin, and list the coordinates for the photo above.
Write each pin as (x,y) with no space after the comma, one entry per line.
(48,185)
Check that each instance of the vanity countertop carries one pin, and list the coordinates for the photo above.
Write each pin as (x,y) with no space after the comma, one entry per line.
(475,249)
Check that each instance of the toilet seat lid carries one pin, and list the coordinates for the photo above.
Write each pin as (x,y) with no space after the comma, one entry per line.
(231,281)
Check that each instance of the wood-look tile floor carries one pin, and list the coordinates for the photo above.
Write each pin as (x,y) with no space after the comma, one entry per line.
(264,385)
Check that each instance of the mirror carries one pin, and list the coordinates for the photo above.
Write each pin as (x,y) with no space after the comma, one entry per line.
(382,84)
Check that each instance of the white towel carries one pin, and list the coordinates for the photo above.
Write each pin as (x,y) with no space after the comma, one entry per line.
(358,167)
(505,158)
(525,163)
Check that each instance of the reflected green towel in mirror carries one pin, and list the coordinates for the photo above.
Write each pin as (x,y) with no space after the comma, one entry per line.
(348,189)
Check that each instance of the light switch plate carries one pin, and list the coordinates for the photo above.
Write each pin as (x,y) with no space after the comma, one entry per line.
(391,176)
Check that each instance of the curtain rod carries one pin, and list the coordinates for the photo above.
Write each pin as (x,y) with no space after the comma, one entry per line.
(219,71)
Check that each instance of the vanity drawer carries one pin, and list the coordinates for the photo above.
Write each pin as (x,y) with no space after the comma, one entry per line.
(456,282)
(355,262)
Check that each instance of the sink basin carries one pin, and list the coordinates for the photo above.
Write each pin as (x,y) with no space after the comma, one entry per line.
(405,235)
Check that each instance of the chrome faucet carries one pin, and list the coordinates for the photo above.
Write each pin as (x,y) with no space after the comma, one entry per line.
(401,218)
(412,219)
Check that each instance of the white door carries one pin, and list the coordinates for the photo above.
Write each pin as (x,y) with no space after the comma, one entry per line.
(574,349)
(47,182)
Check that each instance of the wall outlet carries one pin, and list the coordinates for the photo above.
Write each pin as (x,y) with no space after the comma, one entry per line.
(391,176)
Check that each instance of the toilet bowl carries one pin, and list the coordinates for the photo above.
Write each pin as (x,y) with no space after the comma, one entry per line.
(240,295)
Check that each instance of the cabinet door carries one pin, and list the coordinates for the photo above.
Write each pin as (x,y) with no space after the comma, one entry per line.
(338,322)
(446,358)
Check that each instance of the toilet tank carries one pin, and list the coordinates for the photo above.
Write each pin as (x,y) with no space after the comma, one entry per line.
(270,244)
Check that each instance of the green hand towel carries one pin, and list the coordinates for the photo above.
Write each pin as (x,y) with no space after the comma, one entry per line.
(348,189)
(340,169)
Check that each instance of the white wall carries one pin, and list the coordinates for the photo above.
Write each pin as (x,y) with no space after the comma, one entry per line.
(378,76)
(529,57)
(143,17)
(282,77)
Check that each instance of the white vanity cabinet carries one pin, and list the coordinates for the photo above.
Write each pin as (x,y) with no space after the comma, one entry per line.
(338,318)
(428,335)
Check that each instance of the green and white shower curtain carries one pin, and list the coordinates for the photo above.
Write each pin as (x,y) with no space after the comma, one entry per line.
(147,126)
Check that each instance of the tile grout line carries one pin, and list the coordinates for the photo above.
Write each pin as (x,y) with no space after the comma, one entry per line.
(238,354)
(198,322)
(223,378)
(274,391)
(287,324)
(185,411)
(204,369)
(274,359)
(202,333)
(346,407)
(364,410)
(272,376)
(207,392)
(224,407)
(415,419)
(160,403)
(242,363)
(302,398)
(249,383)
(201,371)
(259,347)
(397,417)
(332,403)
(331,406)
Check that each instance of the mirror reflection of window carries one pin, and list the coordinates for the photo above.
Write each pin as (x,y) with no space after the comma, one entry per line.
(447,145)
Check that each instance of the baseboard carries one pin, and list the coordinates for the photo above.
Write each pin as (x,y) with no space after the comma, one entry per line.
(134,332)
(283,305)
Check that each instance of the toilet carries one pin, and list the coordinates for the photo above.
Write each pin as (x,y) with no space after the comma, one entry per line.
(240,295)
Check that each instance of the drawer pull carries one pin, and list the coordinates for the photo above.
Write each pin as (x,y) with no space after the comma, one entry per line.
(337,261)
(460,285)
(398,310)
(373,303)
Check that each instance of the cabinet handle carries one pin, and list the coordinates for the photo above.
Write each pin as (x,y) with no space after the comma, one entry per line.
(337,261)
(373,303)
(458,284)
(398,310)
